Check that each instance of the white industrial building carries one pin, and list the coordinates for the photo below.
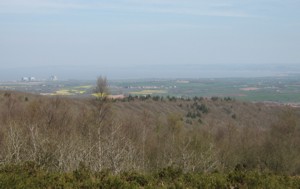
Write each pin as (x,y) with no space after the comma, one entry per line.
(53,78)
(25,79)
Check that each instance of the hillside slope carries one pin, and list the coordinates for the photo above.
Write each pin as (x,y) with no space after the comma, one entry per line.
(146,134)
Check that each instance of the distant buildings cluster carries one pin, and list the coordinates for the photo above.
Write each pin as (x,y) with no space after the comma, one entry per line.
(32,79)
(28,79)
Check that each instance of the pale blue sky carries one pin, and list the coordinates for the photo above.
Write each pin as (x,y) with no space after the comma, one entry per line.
(44,37)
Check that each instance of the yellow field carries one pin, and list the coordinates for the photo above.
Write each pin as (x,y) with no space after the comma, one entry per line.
(63,92)
(148,92)
(68,92)
(98,95)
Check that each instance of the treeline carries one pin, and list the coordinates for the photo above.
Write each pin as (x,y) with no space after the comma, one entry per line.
(61,134)
(168,98)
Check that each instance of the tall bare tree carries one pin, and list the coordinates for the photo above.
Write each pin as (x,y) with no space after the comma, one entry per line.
(102,87)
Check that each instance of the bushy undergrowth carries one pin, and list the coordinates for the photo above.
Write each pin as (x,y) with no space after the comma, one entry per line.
(29,175)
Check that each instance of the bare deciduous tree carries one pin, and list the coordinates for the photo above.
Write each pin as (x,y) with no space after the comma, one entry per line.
(102,87)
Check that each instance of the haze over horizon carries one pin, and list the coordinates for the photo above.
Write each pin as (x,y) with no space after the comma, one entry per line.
(147,38)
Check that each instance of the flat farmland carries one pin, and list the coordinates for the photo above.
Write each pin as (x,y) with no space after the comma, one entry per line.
(283,89)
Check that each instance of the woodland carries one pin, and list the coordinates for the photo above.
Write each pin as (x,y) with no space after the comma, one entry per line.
(146,142)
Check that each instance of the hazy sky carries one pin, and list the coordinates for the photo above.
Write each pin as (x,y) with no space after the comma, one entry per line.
(90,37)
